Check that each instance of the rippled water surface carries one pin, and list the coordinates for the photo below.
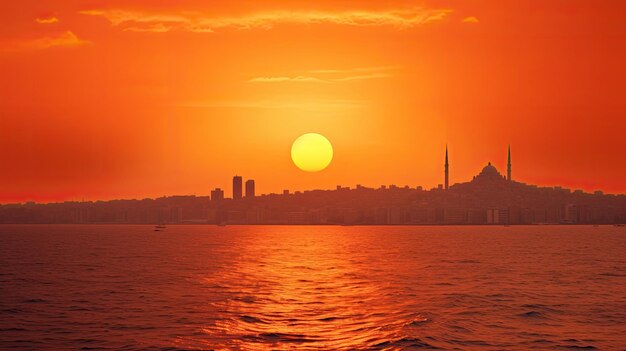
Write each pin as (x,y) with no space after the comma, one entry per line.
(312,288)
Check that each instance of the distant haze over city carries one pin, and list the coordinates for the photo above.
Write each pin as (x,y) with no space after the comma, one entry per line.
(488,198)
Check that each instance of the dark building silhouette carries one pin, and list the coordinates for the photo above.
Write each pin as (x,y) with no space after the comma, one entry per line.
(489,175)
(237,187)
(488,198)
(249,188)
(508,166)
(217,194)
(447,173)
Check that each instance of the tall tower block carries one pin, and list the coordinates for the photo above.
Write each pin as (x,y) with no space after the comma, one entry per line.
(447,170)
(508,166)
(250,188)
(237,187)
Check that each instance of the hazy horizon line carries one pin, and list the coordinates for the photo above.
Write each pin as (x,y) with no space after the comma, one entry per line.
(298,192)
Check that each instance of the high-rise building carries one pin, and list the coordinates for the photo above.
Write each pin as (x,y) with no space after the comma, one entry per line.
(508,166)
(446,170)
(237,187)
(250,188)
(217,194)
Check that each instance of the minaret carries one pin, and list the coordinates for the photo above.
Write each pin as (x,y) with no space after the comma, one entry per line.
(508,166)
(446,168)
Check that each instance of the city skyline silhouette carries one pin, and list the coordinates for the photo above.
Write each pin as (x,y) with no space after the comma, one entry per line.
(488,198)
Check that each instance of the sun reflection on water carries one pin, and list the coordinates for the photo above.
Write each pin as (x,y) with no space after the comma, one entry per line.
(303,293)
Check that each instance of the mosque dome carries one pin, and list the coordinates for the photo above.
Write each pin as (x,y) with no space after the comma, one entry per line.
(488,174)
(489,170)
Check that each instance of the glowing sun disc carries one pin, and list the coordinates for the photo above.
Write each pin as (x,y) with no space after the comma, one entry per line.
(311,152)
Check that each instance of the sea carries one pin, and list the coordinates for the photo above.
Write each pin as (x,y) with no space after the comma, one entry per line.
(204,287)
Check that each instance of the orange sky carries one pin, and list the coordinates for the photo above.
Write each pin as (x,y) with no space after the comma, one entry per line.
(128,99)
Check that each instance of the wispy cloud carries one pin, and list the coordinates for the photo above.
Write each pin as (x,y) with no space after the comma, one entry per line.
(355,70)
(278,104)
(198,22)
(155,28)
(470,19)
(67,38)
(363,77)
(308,79)
(331,75)
(47,20)
(280,79)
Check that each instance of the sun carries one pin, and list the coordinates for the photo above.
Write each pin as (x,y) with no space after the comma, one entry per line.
(311,152)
